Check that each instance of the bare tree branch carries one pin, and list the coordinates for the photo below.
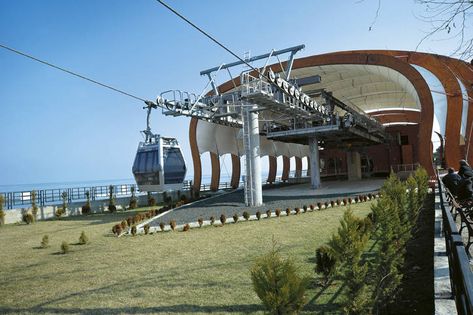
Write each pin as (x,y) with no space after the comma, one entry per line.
(450,17)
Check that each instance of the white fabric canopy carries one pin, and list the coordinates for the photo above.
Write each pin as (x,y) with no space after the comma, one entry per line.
(222,140)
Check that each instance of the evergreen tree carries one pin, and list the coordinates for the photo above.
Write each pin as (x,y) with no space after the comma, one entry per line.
(348,246)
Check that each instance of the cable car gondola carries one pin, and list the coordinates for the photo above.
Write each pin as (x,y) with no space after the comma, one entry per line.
(159,164)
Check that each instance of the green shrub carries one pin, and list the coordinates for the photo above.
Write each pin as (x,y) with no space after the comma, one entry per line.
(348,245)
(151,200)
(258,215)
(173,224)
(60,211)
(235,218)
(133,203)
(117,229)
(83,239)
(278,212)
(64,247)
(34,207)
(325,262)
(111,199)
(45,241)
(186,227)
(124,224)
(2,212)
(223,219)
(268,213)
(146,229)
(277,284)
(246,215)
(200,221)
(27,217)
(87,209)
(212,220)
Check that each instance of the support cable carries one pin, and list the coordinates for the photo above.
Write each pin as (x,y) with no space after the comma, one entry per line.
(72,73)
(207,35)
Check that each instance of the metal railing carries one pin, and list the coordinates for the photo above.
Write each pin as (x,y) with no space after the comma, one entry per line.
(461,276)
(405,167)
(54,196)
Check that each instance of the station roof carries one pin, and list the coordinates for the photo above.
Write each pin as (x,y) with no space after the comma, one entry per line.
(371,88)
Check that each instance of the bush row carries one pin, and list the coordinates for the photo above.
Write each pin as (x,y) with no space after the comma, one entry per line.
(371,287)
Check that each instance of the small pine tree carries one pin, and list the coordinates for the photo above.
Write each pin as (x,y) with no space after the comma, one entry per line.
(325,262)
(422,179)
(348,245)
(83,239)
(111,199)
(86,209)
(151,200)
(45,241)
(133,201)
(277,284)
(223,219)
(61,211)
(146,229)
(246,215)
(2,213)
(64,247)
(34,207)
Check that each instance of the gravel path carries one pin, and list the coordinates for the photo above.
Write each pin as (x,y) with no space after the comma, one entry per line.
(231,203)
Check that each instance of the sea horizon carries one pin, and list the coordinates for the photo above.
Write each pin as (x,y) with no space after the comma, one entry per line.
(4,188)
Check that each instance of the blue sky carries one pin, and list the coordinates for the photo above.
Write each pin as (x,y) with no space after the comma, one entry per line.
(55,127)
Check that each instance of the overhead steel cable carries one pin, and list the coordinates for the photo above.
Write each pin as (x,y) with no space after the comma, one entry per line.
(208,35)
(72,73)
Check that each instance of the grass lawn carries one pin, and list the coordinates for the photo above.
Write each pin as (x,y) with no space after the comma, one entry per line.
(200,271)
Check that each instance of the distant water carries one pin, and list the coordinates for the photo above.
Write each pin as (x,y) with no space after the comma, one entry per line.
(90,183)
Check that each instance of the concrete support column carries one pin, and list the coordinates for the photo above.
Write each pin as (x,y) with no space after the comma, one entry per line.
(314,163)
(353,165)
(253,189)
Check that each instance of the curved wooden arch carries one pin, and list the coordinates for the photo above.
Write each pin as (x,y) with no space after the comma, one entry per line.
(393,116)
(236,171)
(464,73)
(273,168)
(215,179)
(195,155)
(286,167)
(452,90)
(298,166)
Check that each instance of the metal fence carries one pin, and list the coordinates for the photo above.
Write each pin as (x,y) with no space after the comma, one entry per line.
(461,276)
(54,196)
